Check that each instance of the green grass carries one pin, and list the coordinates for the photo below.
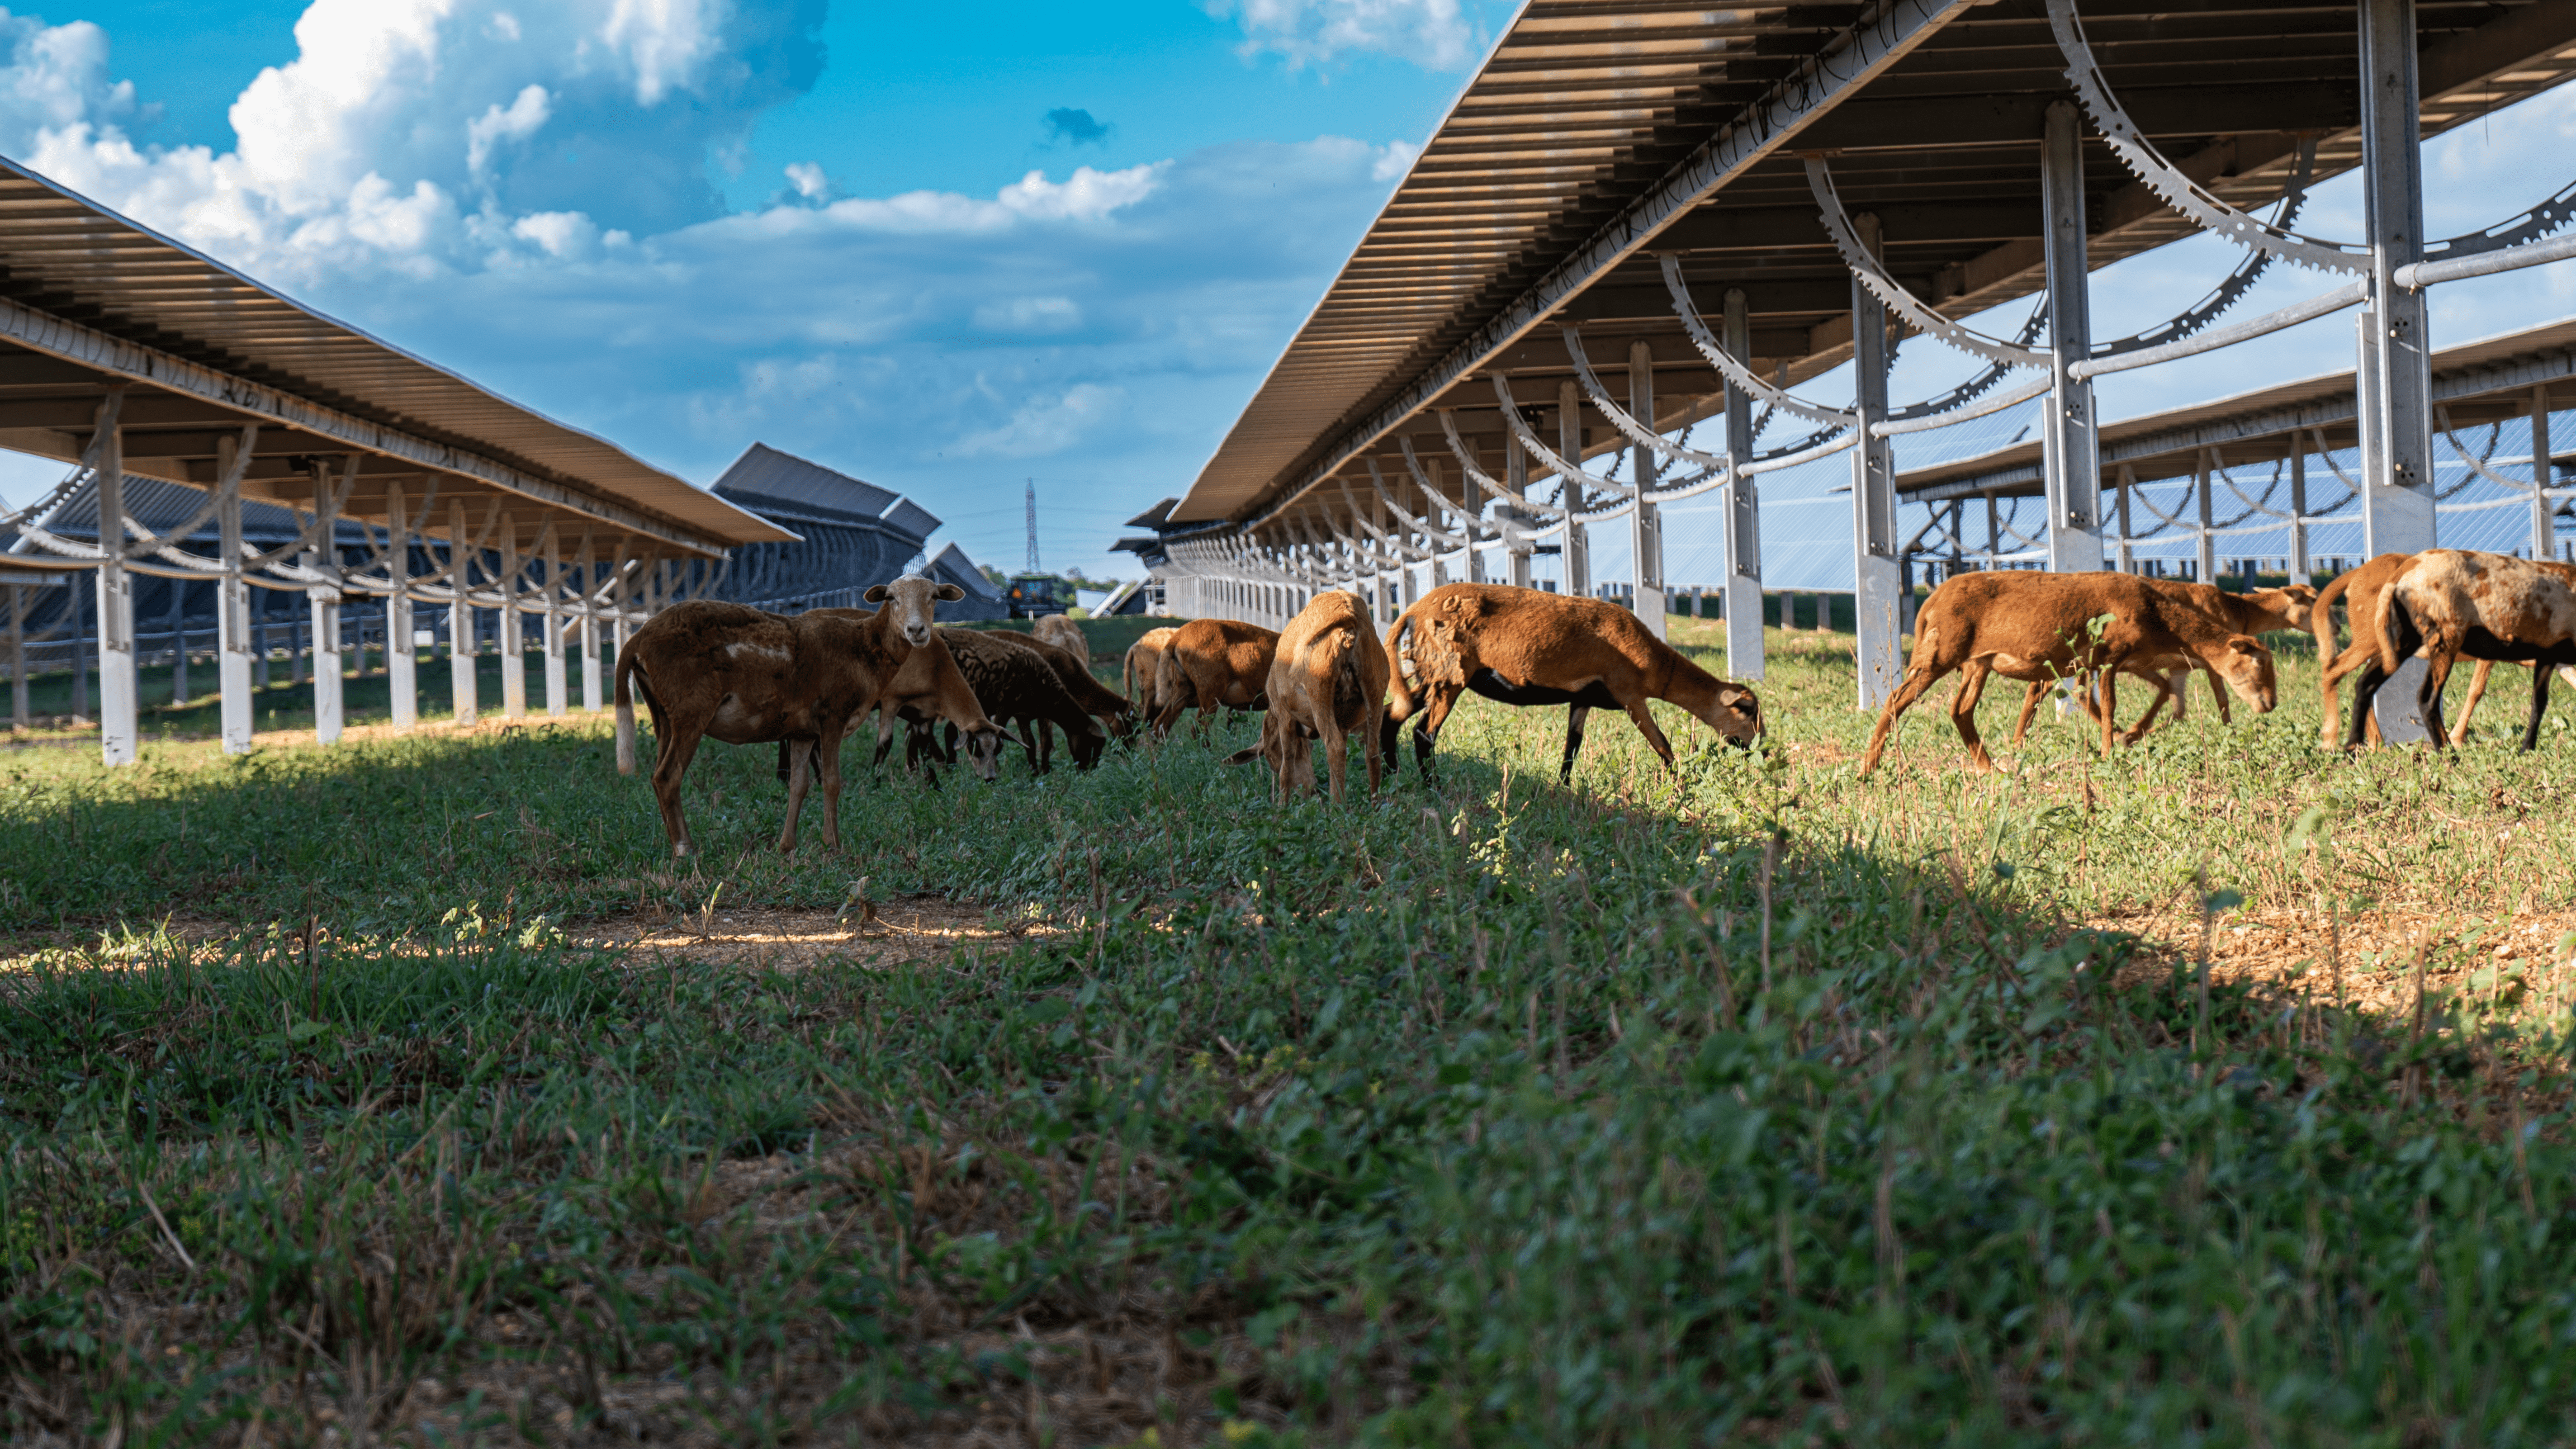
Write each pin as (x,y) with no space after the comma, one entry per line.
(1751,1102)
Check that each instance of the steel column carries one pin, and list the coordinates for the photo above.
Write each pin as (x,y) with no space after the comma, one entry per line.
(2544,534)
(2298,561)
(1743,586)
(589,585)
(324,599)
(2397,495)
(402,663)
(19,717)
(1645,520)
(178,619)
(1516,545)
(558,694)
(2070,442)
(117,723)
(460,619)
(514,629)
(2128,550)
(1874,542)
(1575,555)
(232,610)
(2205,553)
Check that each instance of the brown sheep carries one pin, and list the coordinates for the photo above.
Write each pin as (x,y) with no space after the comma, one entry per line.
(2452,603)
(2035,626)
(736,674)
(1138,669)
(2358,590)
(1060,631)
(1529,647)
(1327,681)
(1212,663)
(1074,672)
(2256,612)
(1014,681)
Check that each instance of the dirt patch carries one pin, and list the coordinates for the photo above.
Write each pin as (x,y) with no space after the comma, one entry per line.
(901,932)
(2515,962)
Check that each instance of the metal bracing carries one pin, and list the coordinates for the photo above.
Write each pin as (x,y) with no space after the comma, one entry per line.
(2070,442)
(2397,496)
(1743,603)
(1876,573)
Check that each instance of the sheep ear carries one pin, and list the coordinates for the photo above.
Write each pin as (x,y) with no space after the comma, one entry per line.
(948,593)
(876,594)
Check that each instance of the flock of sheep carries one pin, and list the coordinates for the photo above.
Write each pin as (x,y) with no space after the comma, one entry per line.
(742,676)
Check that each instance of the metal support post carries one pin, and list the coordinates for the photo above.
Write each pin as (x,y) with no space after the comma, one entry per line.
(1874,541)
(117,722)
(328,706)
(1743,507)
(2544,536)
(514,629)
(19,717)
(1575,555)
(460,619)
(402,662)
(2298,506)
(2072,446)
(589,585)
(233,632)
(1516,546)
(178,619)
(1645,520)
(2205,551)
(2128,549)
(2397,495)
(558,691)
(83,652)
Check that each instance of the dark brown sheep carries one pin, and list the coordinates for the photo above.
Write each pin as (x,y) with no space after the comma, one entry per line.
(736,674)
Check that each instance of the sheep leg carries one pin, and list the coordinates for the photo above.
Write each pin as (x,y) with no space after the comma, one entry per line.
(2357,656)
(2029,708)
(1373,747)
(1574,717)
(678,746)
(828,748)
(1916,682)
(2365,691)
(2165,690)
(1639,711)
(2177,684)
(798,778)
(2477,692)
(2437,674)
(2539,703)
(2218,691)
(2111,704)
(1426,729)
(1337,749)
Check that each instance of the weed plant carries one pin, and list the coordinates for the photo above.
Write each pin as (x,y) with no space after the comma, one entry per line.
(1750,1102)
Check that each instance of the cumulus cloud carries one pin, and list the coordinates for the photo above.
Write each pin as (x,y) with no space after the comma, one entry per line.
(1430,33)
(808,179)
(1029,315)
(528,112)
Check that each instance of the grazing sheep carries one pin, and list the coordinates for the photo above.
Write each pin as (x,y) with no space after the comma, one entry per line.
(1529,647)
(2041,626)
(736,674)
(1060,631)
(1212,663)
(1015,682)
(1327,681)
(2448,604)
(2256,612)
(1138,669)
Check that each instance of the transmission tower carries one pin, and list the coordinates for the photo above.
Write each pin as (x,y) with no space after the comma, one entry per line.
(1033,525)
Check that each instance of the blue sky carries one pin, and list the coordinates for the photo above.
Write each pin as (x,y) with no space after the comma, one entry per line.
(945,250)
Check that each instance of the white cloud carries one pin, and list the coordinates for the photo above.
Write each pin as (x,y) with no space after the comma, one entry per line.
(1029,315)
(663,39)
(1396,159)
(1430,33)
(1047,425)
(808,179)
(530,110)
